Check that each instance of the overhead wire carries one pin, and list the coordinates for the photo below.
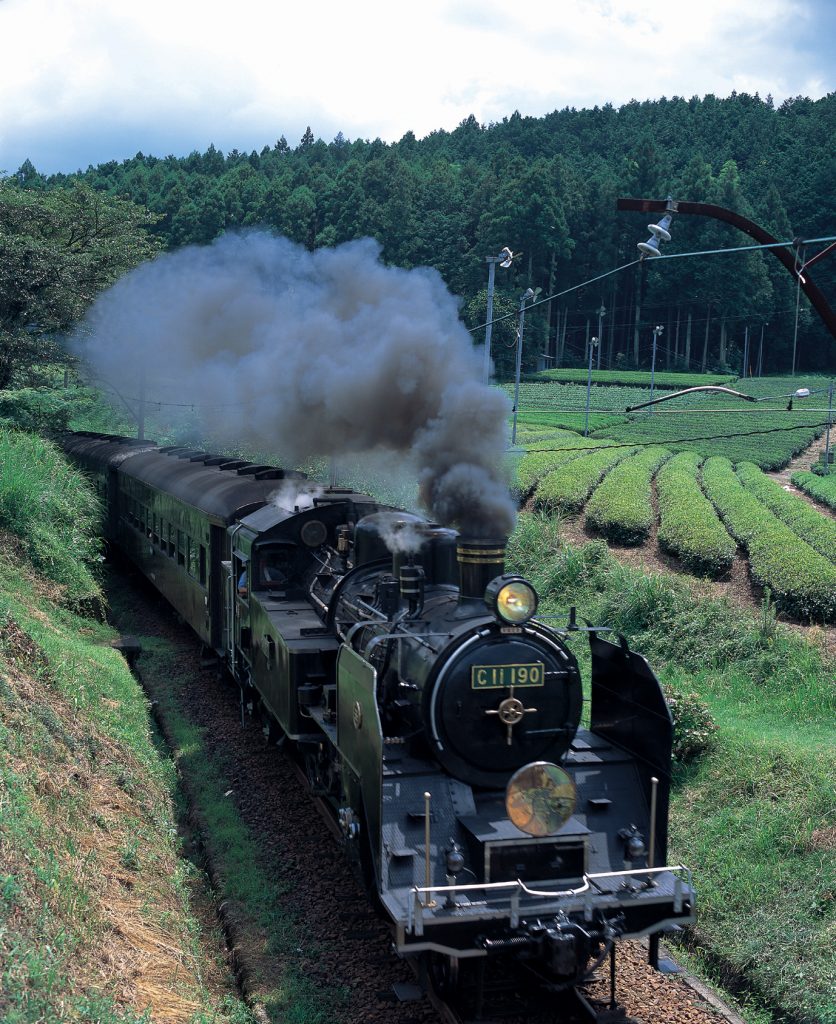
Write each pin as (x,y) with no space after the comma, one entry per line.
(797,243)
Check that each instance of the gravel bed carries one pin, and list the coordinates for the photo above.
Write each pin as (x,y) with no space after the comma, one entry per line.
(342,944)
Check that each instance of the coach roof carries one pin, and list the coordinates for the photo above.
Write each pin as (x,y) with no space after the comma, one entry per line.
(225,490)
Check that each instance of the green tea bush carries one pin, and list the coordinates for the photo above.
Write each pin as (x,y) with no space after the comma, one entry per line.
(620,508)
(822,488)
(817,530)
(537,464)
(802,581)
(567,488)
(689,528)
(637,378)
(53,511)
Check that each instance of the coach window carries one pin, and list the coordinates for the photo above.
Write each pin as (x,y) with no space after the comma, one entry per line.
(182,547)
(170,544)
(202,566)
(193,559)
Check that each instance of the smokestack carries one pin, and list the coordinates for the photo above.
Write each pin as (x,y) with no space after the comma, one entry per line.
(480,561)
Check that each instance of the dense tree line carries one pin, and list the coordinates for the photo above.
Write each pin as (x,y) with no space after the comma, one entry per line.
(547,187)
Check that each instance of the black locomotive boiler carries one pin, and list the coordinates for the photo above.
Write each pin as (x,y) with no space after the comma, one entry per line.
(496,809)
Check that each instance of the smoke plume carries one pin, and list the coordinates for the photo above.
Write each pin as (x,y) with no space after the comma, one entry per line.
(317,353)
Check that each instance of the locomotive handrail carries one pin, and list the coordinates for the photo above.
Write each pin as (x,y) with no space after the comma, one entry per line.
(417,905)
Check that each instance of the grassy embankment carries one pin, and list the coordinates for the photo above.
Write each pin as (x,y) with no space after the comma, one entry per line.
(98,919)
(755,817)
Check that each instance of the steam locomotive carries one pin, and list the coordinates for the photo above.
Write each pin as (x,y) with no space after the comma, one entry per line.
(437,717)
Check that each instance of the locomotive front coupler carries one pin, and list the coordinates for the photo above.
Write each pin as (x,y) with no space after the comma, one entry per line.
(561,945)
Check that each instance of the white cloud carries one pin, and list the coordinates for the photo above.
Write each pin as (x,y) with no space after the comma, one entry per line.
(242,75)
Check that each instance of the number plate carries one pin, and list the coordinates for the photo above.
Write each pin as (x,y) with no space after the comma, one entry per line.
(498,677)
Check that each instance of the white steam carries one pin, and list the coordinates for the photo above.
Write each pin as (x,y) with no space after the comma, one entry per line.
(296,495)
(317,353)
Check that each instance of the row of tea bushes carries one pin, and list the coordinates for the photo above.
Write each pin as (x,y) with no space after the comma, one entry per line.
(558,449)
(621,508)
(802,581)
(567,488)
(818,530)
(822,488)
(689,527)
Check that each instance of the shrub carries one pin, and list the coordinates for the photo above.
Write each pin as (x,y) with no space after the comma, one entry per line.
(566,489)
(822,488)
(38,410)
(802,581)
(537,464)
(620,508)
(817,530)
(693,726)
(689,528)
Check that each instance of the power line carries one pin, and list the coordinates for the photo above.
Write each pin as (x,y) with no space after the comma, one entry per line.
(661,256)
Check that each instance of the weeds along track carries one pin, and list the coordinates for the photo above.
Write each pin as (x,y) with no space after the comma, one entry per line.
(304,942)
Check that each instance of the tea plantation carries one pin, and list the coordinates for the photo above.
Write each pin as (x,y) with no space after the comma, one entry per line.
(690,476)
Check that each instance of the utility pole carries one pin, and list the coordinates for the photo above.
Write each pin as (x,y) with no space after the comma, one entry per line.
(601,313)
(140,426)
(797,304)
(528,294)
(504,260)
(593,344)
(760,351)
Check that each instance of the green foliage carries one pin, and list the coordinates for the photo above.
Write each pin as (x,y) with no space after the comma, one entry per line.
(822,488)
(51,509)
(802,581)
(72,721)
(37,410)
(620,507)
(637,378)
(689,527)
(547,187)
(58,249)
(693,725)
(817,530)
(757,814)
(558,447)
(728,434)
(766,434)
(566,489)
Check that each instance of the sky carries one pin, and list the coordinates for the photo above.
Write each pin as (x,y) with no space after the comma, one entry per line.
(87,81)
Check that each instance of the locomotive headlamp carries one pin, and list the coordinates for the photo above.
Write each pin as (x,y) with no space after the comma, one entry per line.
(511,599)
(540,798)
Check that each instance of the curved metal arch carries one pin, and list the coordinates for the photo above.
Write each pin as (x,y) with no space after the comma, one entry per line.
(816,297)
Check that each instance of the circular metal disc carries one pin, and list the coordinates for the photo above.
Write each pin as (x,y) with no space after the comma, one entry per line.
(540,798)
(314,533)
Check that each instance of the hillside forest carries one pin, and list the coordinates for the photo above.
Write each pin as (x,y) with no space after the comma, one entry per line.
(544,186)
